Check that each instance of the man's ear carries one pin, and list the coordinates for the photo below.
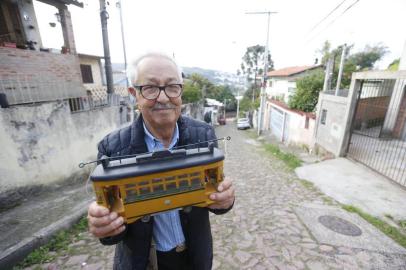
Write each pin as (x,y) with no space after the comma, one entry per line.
(132,91)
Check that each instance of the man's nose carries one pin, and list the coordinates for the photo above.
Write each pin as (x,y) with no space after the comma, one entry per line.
(162,97)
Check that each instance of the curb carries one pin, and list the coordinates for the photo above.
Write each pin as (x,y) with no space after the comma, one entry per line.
(15,254)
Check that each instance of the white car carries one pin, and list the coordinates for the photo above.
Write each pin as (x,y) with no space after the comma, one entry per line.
(243,123)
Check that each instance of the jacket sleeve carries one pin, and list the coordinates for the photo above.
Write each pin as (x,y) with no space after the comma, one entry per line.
(102,151)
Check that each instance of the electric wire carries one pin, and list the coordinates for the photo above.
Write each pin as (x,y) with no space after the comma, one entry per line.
(322,20)
(348,8)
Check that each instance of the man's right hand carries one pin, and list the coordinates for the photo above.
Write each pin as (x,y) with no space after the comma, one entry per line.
(102,223)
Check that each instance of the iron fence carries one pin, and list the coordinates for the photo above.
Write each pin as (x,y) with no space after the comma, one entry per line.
(378,133)
(28,90)
(21,89)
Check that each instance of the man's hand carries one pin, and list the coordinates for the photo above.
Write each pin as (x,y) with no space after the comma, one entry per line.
(102,223)
(224,198)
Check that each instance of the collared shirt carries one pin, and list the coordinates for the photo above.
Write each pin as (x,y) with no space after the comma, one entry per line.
(167,230)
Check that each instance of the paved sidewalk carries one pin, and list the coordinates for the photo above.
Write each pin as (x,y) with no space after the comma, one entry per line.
(276,223)
(349,182)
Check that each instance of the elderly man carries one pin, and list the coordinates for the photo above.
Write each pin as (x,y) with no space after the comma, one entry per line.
(183,238)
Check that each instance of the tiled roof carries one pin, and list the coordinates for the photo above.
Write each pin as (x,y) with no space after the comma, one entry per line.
(289,71)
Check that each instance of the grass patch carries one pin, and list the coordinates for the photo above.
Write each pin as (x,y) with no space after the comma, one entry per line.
(58,242)
(307,184)
(327,200)
(289,159)
(384,227)
(402,224)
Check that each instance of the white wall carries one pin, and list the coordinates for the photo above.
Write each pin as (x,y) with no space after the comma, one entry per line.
(330,135)
(402,64)
(44,144)
(295,125)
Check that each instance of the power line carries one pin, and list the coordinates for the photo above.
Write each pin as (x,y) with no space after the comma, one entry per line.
(322,20)
(348,8)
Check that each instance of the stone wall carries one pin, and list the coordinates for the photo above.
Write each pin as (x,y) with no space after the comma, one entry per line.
(42,145)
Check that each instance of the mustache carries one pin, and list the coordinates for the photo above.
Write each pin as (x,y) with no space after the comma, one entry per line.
(160,106)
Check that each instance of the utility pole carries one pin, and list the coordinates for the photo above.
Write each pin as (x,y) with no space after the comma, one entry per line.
(107,61)
(118,4)
(328,73)
(263,86)
(340,71)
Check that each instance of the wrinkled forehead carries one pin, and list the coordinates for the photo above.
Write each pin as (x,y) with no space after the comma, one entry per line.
(157,70)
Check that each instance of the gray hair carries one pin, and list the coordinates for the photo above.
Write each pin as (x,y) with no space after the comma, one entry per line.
(133,70)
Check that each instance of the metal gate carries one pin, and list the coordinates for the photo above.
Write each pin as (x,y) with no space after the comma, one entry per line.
(279,121)
(378,128)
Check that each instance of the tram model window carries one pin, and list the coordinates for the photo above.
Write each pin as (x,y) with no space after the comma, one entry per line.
(156,180)
(196,182)
(158,188)
(143,183)
(183,183)
(144,190)
(170,186)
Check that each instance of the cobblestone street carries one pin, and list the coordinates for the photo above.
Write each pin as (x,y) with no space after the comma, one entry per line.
(262,231)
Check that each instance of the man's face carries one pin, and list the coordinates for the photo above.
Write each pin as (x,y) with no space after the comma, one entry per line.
(162,111)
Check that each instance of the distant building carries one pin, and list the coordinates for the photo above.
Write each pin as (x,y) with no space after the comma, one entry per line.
(281,83)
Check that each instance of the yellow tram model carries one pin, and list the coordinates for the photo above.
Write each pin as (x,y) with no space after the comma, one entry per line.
(139,186)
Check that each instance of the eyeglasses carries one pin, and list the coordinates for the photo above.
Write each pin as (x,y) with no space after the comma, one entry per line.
(152,91)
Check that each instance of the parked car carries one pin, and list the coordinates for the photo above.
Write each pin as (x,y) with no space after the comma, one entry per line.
(243,123)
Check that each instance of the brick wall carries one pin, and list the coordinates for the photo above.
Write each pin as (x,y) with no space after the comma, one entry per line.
(26,70)
(371,111)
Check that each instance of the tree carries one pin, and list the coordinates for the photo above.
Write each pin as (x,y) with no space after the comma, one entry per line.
(307,93)
(394,66)
(191,93)
(198,87)
(360,61)
(253,62)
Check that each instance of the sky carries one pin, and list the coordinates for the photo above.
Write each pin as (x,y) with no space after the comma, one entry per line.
(214,34)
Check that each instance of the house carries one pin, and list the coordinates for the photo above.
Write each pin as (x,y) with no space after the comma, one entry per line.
(94,80)
(54,106)
(368,124)
(281,83)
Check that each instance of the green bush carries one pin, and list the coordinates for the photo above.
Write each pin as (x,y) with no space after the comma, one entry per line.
(307,93)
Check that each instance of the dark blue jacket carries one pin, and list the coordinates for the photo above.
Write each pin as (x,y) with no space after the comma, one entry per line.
(133,245)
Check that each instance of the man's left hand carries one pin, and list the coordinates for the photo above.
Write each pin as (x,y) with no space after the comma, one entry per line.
(224,198)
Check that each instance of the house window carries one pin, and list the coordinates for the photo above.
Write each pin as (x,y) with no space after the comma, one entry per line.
(323,117)
(86,71)
(270,83)
(291,90)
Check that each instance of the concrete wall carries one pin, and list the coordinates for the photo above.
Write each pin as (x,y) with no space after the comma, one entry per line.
(30,24)
(44,144)
(193,110)
(330,135)
(295,131)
